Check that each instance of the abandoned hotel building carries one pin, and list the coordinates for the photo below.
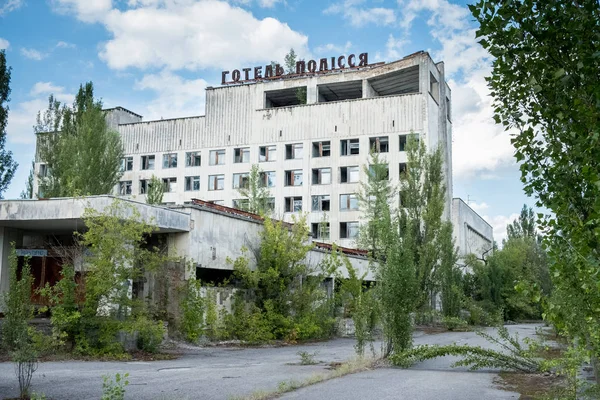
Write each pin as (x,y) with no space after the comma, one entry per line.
(309,132)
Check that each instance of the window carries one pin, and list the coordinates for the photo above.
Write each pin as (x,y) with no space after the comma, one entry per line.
(320,230)
(43,170)
(448,110)
(267,153)
(218,202)
(170,185)
(379,174)
(267,179)
(170,160)
(321,149)
(241,204)
(293,204)
(321,176)
(434,88)
(125,187)
(348,230)
(241,155)
(192,183)
(148,162)
(348,202)
(192,159)
(270,204)
(349,174)
(217,157)
(405,138)
(321,202)
(241,181)
(293,151)
(216,182)
(402,168)
(144,185)
(126,164)
(349,147)
(379,144)
(293,178)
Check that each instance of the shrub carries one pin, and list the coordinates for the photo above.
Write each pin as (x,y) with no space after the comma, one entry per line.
(150,333)
(307,358)
(114,390)
(192,306)
(455,324)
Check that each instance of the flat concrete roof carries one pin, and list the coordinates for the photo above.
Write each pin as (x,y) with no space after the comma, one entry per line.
(65,215)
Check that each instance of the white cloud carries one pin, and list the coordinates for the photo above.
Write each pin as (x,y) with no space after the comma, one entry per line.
(4,44)
(85,10)
(33,54)
(22,117)
(499,223)
(360,16)
(478,207)
(65,45)
(267,3)
(207,34)
(10,5)
(176,97)
(333,48)
(45,88)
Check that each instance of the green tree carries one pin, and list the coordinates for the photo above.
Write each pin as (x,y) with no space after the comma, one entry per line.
(156,189)
(256,192)
(449,275)
(290,68)
(83,155)
(28,192)
(524,226)
(544,83)
(7,165)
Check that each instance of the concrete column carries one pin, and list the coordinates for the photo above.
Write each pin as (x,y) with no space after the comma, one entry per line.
(367,90)
(311,91)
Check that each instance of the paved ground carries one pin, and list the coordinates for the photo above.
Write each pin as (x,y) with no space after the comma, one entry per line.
(220,373)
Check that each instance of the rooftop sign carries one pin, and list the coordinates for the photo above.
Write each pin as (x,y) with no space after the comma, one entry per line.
(324,65)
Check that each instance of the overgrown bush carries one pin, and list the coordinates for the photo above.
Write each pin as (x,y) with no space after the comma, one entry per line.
(455,324)
(150,333)
(192,307)
(114,390)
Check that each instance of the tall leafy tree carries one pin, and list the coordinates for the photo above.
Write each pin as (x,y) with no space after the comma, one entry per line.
(8,166)
(545,85)
(28,192)
(83,155)
(256,192)
(524,226)
(156,189)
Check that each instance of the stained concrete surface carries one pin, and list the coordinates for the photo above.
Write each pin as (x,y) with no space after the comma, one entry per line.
(221,373)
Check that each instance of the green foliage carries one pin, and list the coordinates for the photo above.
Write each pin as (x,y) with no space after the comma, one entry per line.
(156,189)
(545,84)
(114,389)
(8,166)
(83,155)
(307,358)
(150,333)
(290,68)
(513,356)
(18,309)
(192,306)
(256,192)
(28,192)
(455,323)
(212,317)
(449,275)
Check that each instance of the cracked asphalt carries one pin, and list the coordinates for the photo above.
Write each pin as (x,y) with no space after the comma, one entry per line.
(222,373)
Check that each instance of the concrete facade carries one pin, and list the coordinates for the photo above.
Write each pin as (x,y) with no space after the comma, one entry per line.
(472,233)
(385,101)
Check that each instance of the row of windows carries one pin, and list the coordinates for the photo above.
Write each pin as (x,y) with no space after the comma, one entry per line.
(319,176)
(293,151)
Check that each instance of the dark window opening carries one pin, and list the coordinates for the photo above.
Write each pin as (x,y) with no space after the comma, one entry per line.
(285,97)
(321,149)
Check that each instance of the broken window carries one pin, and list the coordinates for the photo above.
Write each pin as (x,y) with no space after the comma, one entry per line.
(170,160)
(348,230)
(241,204)
(170,185)
(379,173)
(126,164)
(321,202)
(241,155)
(216,182)
(241,181)
(217,157)
(402,168)
(379,144)
(293,151)
(270,205)
(43,170)
(148,162)
(349,147)
(267,179)
(192,159)
(320,230)
(321,149)
(293,178)
(448,110)
(192,183)
(267,153)
(285,97)
(293,204)
(434,88)
(144,185)
(348,202)
(321,176)
(349,174)
(403,139)
(125,187)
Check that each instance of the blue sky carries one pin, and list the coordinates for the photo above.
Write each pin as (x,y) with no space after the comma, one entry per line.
(155,57)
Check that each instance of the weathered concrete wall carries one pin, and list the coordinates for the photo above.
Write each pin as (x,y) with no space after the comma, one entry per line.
(472,233)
